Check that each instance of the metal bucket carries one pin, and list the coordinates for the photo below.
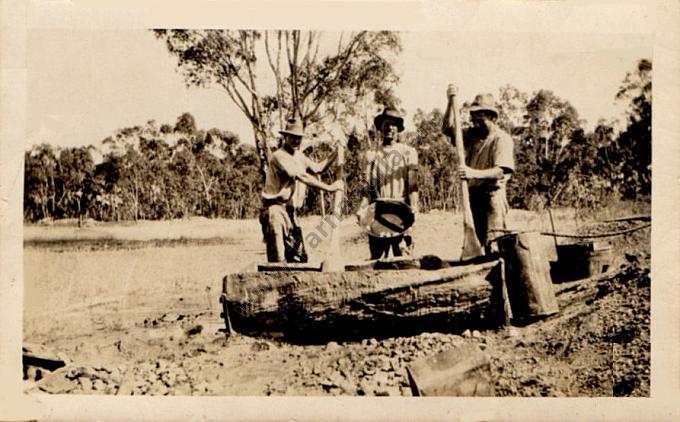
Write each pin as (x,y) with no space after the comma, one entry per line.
(527,275)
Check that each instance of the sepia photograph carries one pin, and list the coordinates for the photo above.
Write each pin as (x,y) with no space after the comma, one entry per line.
(243,216)
(363,213)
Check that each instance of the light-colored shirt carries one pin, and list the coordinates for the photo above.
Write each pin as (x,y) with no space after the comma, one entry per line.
(282,173)
(495,150)
(387,171)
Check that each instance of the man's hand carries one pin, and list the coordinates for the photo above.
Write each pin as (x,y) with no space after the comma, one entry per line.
(451,91)
(465,172)
(362,211)
(338,185)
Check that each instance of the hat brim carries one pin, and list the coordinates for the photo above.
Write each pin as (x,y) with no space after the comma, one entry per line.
(389,218)
(475,109)
(288,132)
(381,118)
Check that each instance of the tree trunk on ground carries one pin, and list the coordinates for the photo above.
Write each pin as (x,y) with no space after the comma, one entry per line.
(321,305)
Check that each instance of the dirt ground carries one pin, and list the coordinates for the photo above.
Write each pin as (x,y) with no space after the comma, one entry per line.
(135,309)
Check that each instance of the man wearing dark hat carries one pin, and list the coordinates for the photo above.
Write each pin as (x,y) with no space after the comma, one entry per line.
(391,174)
(489,160)
(287,167)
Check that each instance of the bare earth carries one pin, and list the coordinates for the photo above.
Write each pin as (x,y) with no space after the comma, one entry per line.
(135,309)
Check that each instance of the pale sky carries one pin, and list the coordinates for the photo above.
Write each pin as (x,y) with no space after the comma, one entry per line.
(83,85)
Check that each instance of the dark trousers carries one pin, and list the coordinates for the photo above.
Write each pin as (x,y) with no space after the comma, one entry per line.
(380,247)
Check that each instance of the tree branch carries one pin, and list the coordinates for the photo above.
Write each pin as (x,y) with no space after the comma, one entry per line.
(336,69)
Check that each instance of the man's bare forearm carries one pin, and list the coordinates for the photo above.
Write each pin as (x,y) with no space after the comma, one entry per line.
(310,180)
(492,173)
(448,127)
(413,199)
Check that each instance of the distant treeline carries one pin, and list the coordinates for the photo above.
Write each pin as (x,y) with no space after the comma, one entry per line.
(176,171)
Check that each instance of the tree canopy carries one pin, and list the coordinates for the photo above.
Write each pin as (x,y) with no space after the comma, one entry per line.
(308,79)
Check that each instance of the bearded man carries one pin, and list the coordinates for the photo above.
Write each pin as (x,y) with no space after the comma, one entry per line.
(489,163)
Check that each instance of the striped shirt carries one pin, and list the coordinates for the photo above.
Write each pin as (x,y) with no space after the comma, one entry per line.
(387,171)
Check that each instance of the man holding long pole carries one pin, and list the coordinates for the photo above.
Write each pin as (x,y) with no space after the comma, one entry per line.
(488,165)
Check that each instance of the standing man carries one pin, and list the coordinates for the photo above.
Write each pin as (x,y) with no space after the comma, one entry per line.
(490,162)
(287,168)
(297,252)
(391,173)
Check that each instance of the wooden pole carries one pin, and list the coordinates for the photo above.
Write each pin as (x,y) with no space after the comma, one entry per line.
(471,246)
(333,260)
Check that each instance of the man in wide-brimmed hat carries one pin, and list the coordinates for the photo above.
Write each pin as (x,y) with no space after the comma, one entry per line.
(489,159)
(391,174)
(288,168)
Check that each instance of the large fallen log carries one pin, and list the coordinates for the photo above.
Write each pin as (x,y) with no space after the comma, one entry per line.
(363,302)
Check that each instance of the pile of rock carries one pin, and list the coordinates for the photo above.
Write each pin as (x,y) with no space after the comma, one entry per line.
(372,367)
(161,378)
(81,380)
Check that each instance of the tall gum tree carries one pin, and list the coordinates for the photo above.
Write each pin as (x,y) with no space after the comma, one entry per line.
(273,75)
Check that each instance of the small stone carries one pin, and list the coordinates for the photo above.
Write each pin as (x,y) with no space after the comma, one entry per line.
(467,334)
(382,380)
(372,342)
(115,374)
(327,384)
(369,371)
(259,346)
(86,383)
(510,332)
(57,383)
(194,330)
(476,334)
(99,385)
(365,388)
(384,364)
(332,346)
(75,372)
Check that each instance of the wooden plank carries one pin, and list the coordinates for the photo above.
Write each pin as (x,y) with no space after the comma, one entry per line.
(460,371)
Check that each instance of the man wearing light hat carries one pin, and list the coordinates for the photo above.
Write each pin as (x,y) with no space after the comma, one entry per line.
(489,160)
(287,167)
(391,174)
